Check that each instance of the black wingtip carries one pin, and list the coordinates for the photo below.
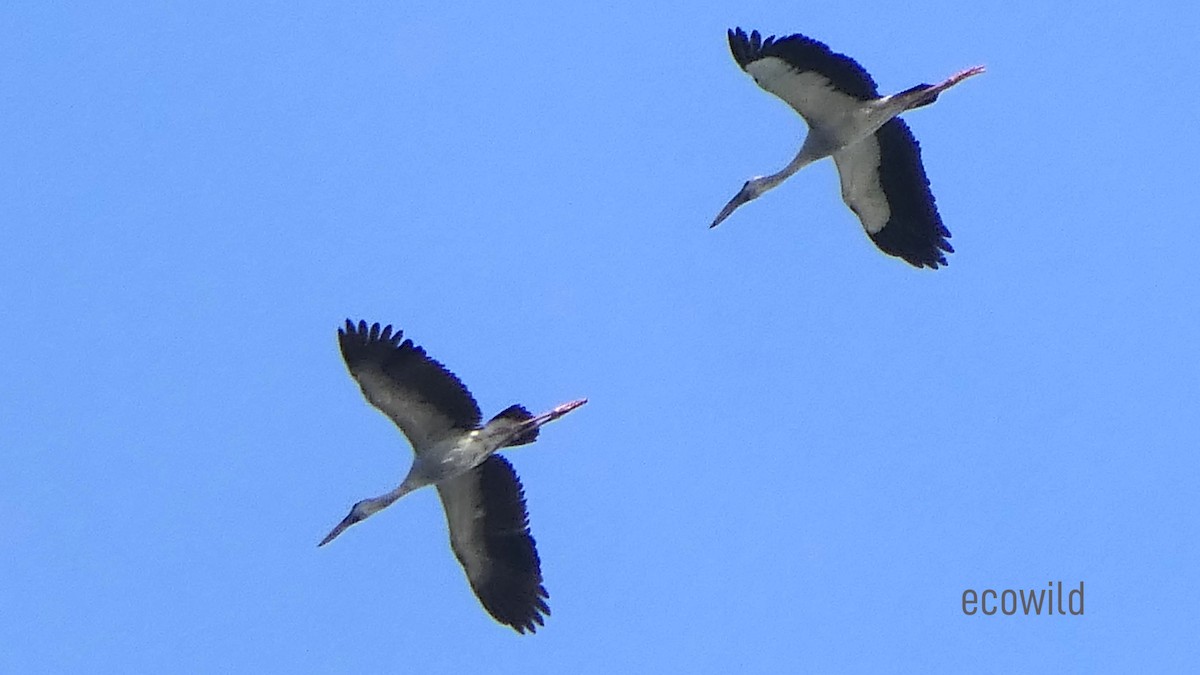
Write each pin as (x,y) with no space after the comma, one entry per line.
(915,232)
(914,249)
(537,616)
(354,337)
(384,348)
(803,53)
(745,48)
(513,592)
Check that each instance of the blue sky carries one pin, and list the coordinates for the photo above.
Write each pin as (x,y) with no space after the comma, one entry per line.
(798,453)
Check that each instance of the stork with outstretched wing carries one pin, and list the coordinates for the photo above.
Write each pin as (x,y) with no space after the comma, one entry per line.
(878,160)
(480,492)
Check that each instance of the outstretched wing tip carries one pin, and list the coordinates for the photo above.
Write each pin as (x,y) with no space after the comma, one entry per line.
(364,333)
(489,533)
(802,53)
(417,392)
(916,231)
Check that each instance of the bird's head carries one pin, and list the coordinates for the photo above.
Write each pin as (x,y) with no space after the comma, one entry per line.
(754,187)
(750,191)
(358,512)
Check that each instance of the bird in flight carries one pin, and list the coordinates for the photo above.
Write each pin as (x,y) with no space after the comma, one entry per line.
(481,494)
(878,160)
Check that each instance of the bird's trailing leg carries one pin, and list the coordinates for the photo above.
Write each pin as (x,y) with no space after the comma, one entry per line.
(953,80)
(961,75)
(924,94)
(554,414)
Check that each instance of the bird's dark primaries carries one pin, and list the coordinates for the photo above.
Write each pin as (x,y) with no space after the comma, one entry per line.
(878,160)
(480,493)
(883,181)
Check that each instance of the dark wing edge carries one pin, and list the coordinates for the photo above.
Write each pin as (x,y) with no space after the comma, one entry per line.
(914,231)
(804,53)
(489,533)
(746,49)
(408,367)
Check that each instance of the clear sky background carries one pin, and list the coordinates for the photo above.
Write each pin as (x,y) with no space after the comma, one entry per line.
(799,452)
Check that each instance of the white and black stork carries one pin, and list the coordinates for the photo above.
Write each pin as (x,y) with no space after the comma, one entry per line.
(878,160)
(480,492)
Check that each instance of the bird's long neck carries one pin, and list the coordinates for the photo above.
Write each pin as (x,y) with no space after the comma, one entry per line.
(369,507)
(374,505)
(809,153)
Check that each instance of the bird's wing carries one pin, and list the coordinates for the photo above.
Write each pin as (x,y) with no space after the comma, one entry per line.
(818,83)
(489,532)
(884,183)
(424,399)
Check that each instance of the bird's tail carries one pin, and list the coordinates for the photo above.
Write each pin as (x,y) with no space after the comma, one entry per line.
(518,414)
(516,419)
(919,102)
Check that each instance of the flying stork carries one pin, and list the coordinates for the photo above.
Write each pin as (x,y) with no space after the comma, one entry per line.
(480,492)
(878,160)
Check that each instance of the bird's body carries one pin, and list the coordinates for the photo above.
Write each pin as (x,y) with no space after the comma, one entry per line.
(457,455)
(878,161)
(481,494)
